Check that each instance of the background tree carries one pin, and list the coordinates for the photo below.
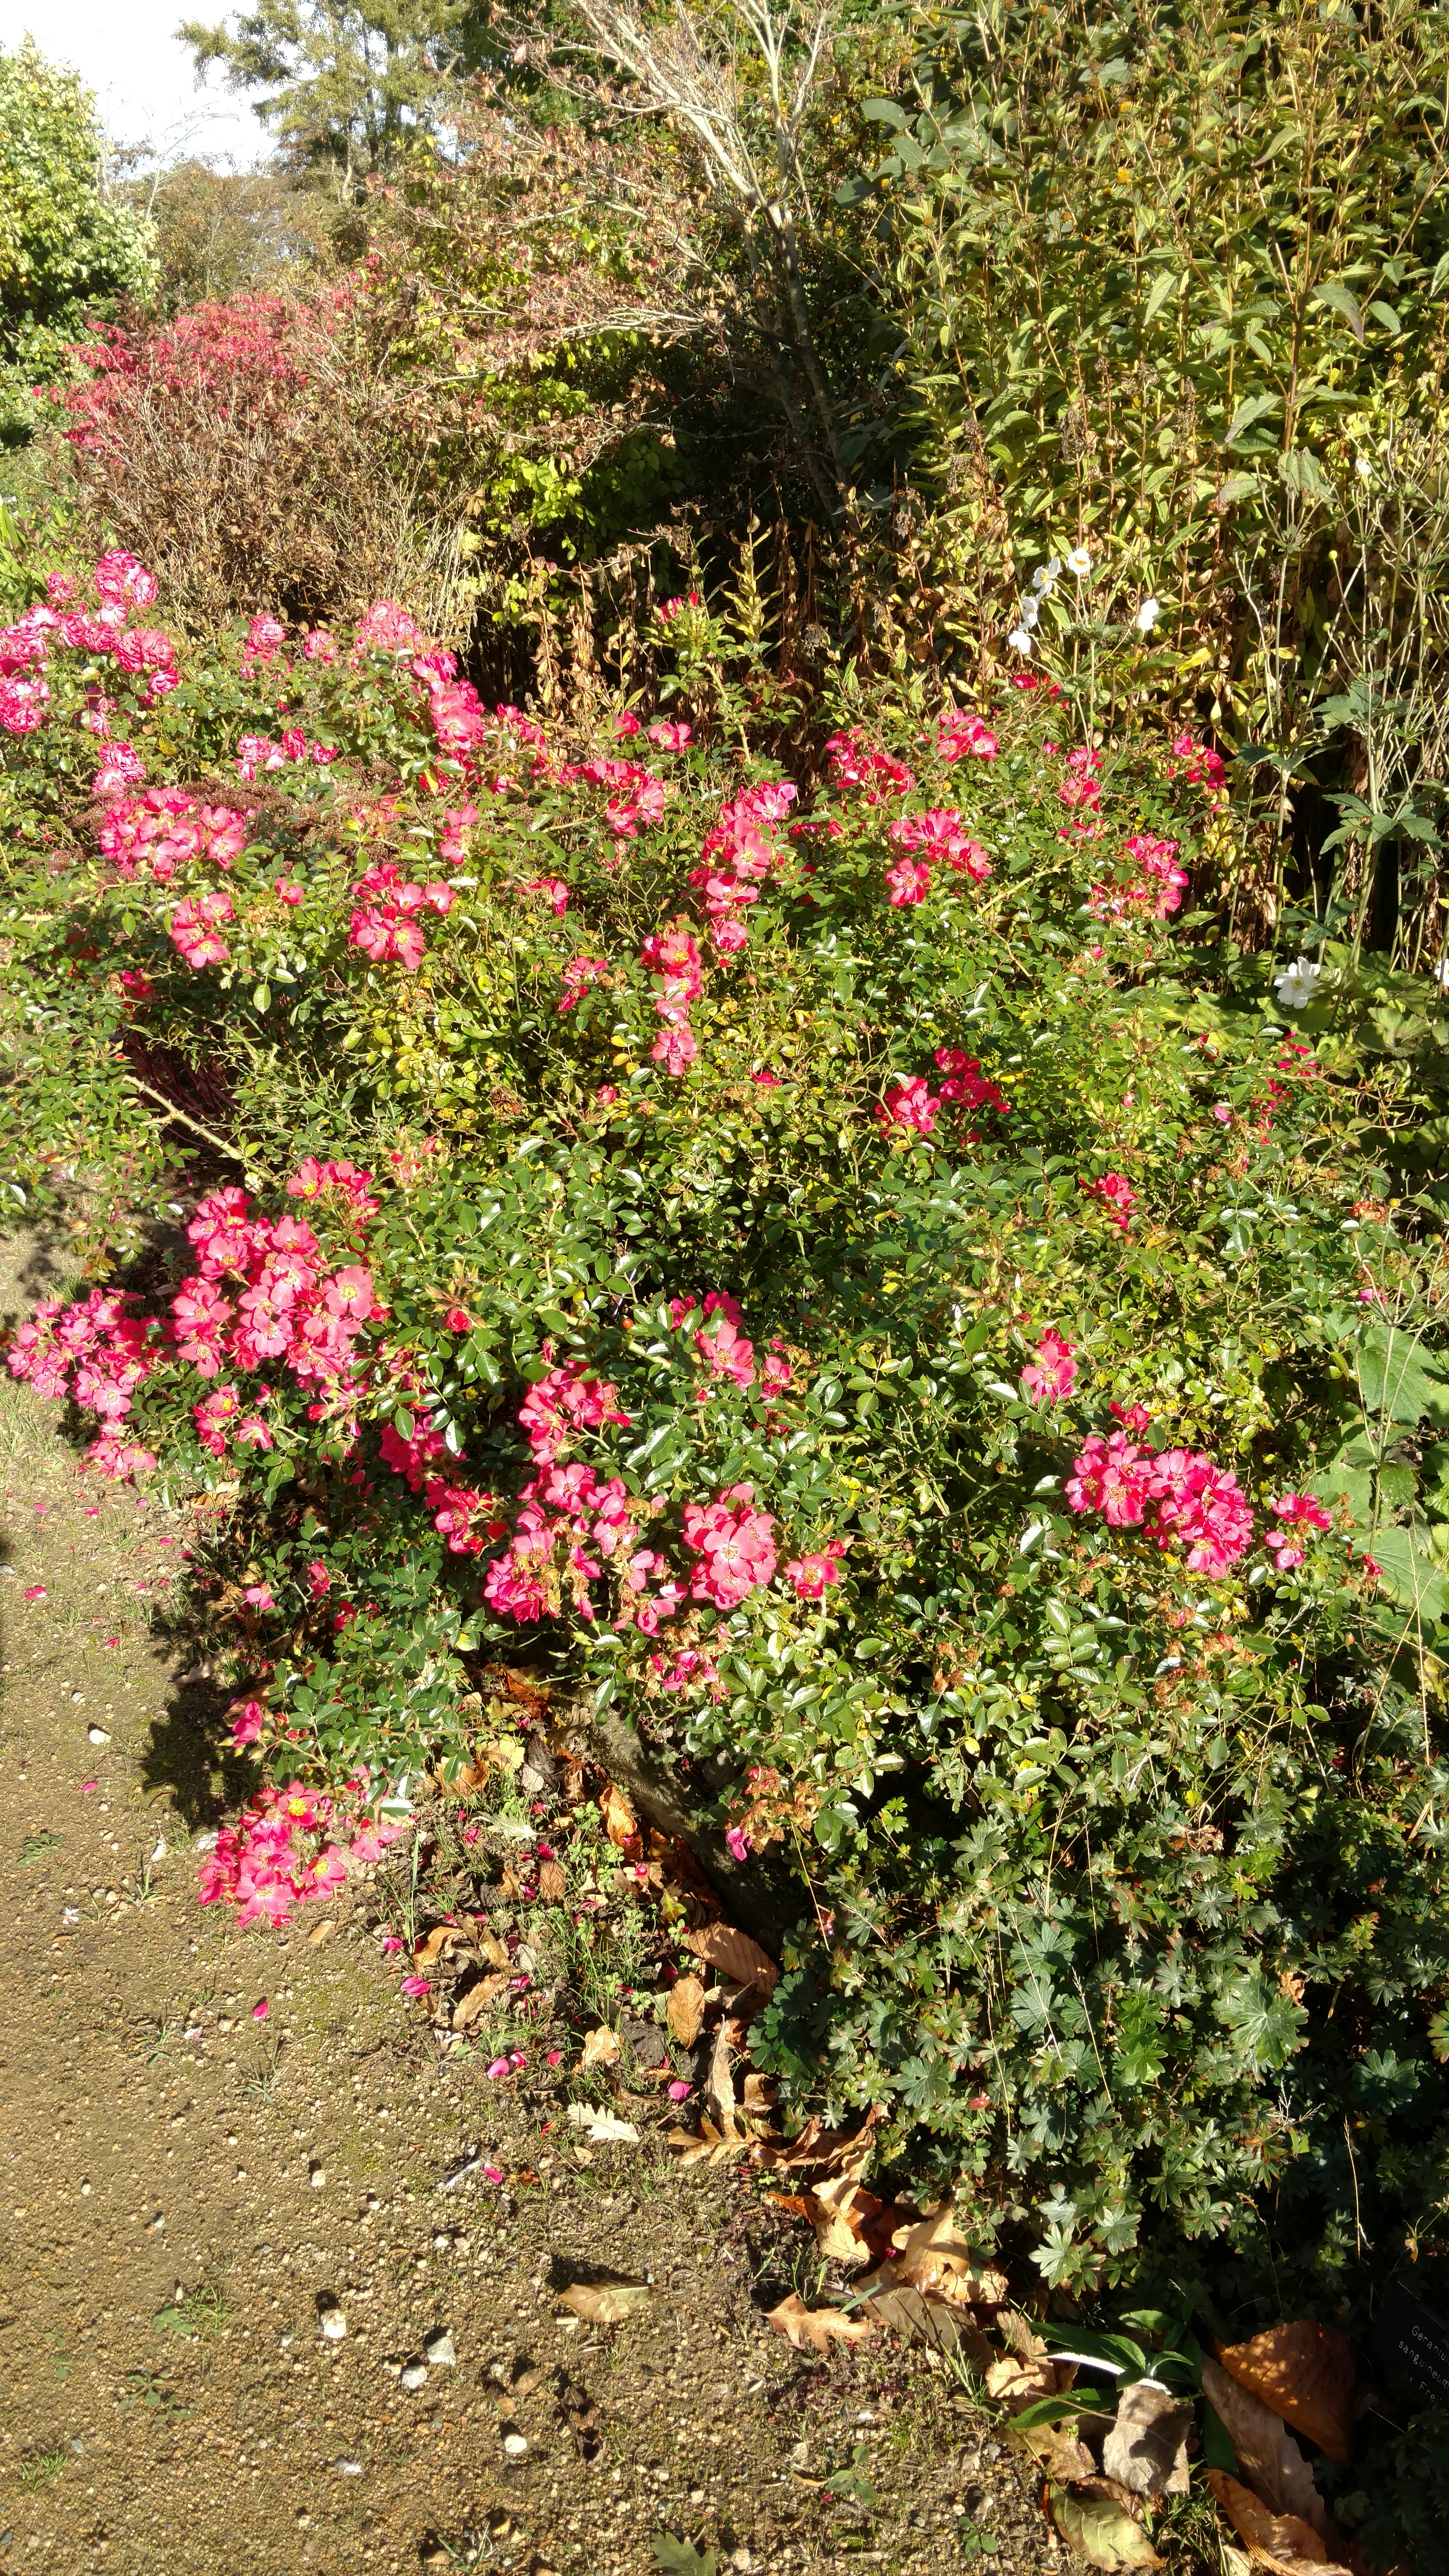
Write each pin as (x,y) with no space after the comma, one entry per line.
(222,233)
(341,88)
(67,242)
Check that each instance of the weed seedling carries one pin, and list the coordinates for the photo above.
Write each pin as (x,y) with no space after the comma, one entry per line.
(201,2312)
(39,2467)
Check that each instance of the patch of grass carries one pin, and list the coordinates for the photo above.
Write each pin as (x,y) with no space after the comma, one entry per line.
(35,1846)
(201,2312)
(38,2468)
(262,2081)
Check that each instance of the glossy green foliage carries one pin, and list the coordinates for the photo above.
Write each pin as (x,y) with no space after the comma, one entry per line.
(67,242)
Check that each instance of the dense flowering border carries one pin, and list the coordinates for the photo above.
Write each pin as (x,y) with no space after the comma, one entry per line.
(288,1306)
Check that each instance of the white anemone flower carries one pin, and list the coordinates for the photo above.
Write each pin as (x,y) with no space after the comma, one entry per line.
(1020,641)
(1045,576)
(1147,616)
(1079,562)
(1296,987)
(1031,613)
(1441,974)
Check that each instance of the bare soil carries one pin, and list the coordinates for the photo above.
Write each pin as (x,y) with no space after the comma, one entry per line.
(184,2188)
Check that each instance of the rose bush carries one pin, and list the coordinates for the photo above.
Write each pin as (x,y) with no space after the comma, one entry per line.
(816,1259)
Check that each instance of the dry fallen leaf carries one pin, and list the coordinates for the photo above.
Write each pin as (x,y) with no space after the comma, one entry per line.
(512,1882)
(815,2329)
(620,1823)
(1019,2383)
(487,1943)
(1279,2541)
(758,2097)
(601,2047)
(1100,2531)
(1057,2448)
(605,2303)
(684,2010)
(734,1954)
(602,2125)
(719,2090)
(930,2253)
(819,2150)
(471,2007)
(552,1881)
(1305,2373)
(944,2324)
(1146,2448)
(441,1937)
(847,2221)
(1268,2456)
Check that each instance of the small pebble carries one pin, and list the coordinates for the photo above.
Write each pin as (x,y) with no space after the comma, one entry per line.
(317,2177)
(413,2375)
(441,2351)
(514,2445)
(348,2468)
(332,2325)
(97,1735)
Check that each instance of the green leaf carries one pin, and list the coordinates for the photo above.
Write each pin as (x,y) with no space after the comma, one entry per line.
(1100,2531)
(883,111)
(1268,2024)
(1253,408)
(1398,1378)
(1217,2449)
(1341,300)
(1165,288)
(1413,1579)
(680,2557)
(1118,2352)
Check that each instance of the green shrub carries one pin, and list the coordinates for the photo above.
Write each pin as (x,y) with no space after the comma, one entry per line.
(1167,284)
(65,243)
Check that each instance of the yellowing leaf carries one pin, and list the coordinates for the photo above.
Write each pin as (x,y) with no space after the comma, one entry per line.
(1100,2531)
(601,2047)
(606,2303)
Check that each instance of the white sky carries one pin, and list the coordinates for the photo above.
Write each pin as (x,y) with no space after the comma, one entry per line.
(126,51)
